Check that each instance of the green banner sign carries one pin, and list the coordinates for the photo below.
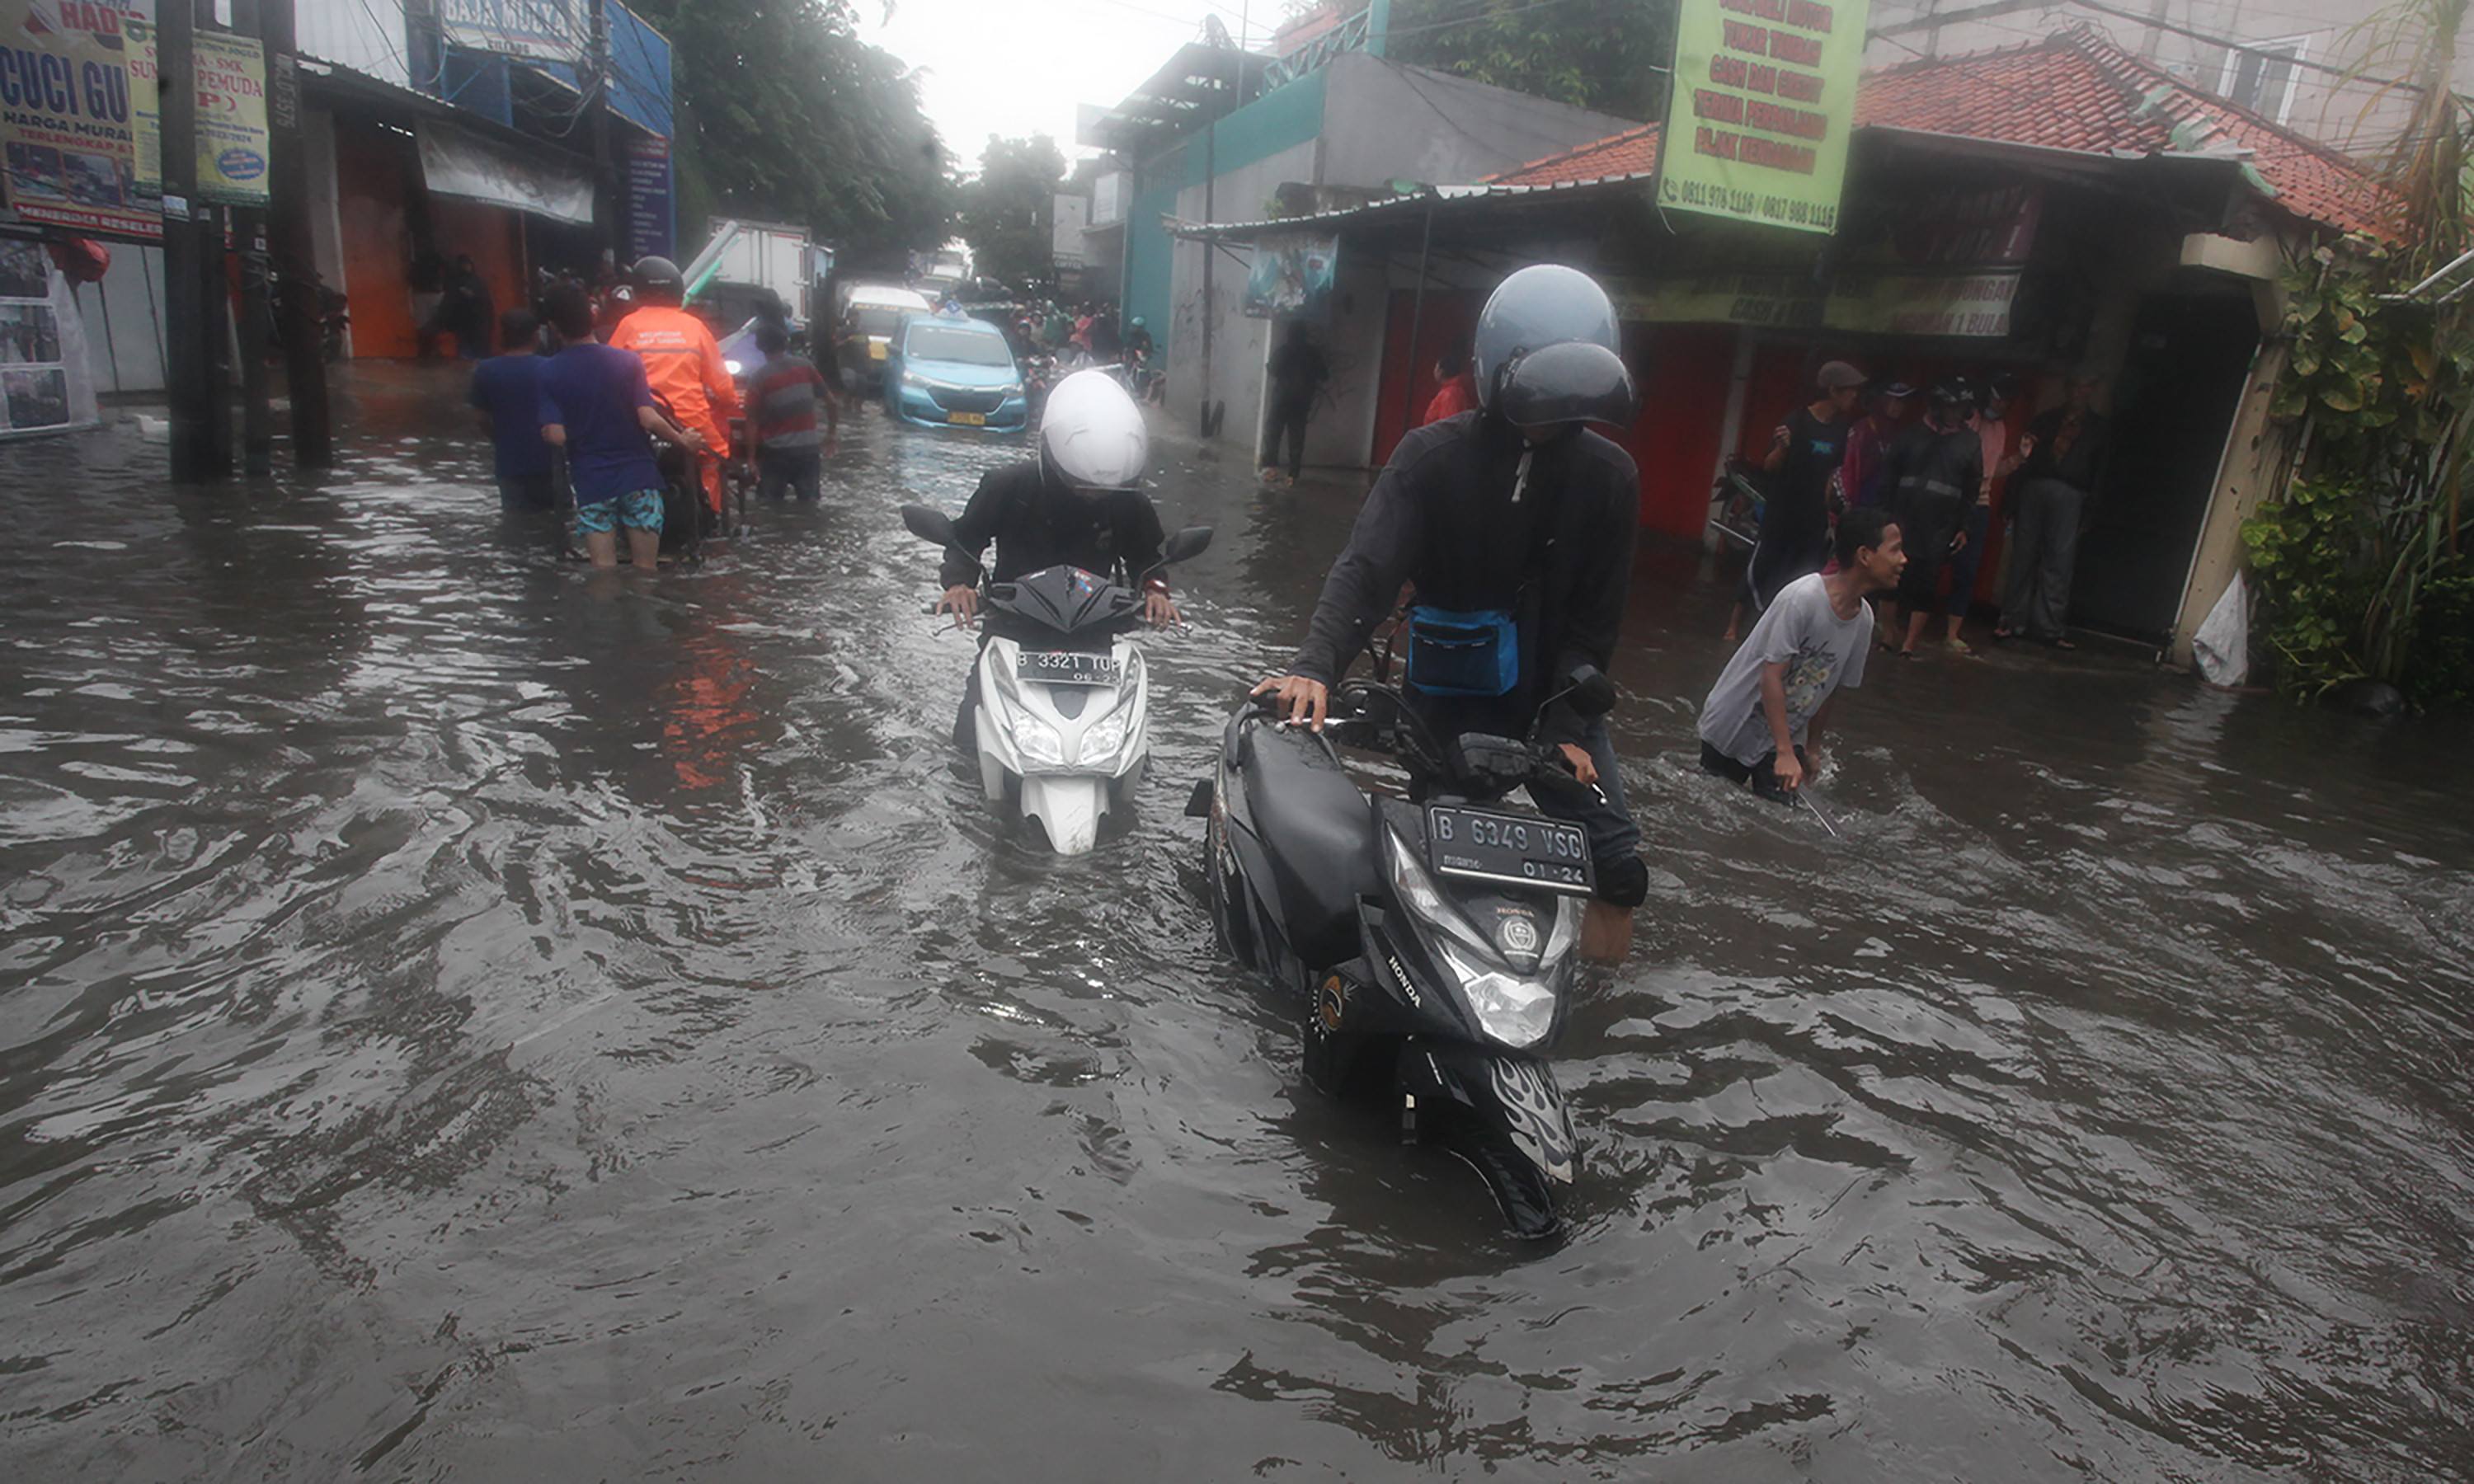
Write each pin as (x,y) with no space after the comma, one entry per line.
(1757,121)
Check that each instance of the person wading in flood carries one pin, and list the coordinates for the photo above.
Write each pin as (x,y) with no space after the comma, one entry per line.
(1297,372)
(1762,719)
(1516,523)
(595,405)
(1935,469)
(682,363)
(506,392)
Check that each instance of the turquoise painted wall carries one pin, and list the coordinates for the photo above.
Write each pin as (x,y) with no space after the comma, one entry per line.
(1279,120)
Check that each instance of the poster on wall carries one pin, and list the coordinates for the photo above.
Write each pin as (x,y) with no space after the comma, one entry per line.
(67,134)
(233,136)
(1756,122)
(34,371)
(1291,275)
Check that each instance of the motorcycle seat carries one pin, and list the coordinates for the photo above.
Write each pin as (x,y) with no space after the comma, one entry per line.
(1315,826)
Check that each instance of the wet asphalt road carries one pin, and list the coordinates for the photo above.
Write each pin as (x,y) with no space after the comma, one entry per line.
(463,1017)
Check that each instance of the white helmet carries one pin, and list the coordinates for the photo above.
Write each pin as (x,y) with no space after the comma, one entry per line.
(1094,431)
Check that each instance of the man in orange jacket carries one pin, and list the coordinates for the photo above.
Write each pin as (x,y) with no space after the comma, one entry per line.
(682,363)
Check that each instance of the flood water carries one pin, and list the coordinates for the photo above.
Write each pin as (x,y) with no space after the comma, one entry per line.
(466,1017)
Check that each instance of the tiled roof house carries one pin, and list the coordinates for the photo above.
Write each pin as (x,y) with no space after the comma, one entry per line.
(2074,91)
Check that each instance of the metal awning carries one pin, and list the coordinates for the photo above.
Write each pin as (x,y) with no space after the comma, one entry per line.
(1199,83)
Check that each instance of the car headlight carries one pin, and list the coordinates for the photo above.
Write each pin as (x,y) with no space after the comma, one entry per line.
(1038,740)
(1515,1011)
(911,378)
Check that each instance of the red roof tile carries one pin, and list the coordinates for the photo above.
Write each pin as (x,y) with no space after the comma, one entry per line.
(2074,90)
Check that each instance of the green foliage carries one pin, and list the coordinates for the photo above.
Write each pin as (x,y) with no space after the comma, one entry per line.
(1610,56)
(2361,558)
(1009,209)
(798,120)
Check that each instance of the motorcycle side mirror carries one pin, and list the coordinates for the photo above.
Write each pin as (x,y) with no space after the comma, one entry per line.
(1590,691)
(1186,544)
(929,525)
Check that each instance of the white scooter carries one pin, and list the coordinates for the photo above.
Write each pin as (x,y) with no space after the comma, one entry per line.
(1061,705)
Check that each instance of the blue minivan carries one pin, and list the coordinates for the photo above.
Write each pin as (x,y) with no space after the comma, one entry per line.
(943,370)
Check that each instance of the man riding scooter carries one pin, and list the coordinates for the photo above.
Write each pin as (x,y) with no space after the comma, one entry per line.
(1516,524)
(1079,504)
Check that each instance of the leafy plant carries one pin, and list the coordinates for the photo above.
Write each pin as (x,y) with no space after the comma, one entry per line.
(2364,561)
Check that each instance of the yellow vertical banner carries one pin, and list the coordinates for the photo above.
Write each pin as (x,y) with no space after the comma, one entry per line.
(1756,120)
(231,115)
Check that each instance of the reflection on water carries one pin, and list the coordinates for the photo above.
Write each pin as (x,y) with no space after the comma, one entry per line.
(460,1017)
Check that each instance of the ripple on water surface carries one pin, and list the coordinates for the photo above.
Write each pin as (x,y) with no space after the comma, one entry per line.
(463,1017)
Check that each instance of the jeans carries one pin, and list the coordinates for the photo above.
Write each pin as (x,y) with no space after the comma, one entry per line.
(2044,548)
(1978,520)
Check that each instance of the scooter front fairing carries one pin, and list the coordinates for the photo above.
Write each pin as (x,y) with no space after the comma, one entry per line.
(1074,748)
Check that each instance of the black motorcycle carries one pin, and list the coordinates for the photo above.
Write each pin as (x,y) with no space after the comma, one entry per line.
(1432,938)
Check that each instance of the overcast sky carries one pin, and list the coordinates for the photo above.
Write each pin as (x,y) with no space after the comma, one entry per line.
(1018,67)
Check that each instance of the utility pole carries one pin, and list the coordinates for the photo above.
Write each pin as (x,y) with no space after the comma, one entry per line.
(606,195)
(191,358)
(297,326)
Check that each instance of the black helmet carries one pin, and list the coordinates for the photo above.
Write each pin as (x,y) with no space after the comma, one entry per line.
(1951,391)
(660,276)
(1547,351)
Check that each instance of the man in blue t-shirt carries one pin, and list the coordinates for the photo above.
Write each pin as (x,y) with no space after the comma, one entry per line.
(595,405)
(506,389)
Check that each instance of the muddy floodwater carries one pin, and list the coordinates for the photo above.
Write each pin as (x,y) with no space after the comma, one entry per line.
(463,1018)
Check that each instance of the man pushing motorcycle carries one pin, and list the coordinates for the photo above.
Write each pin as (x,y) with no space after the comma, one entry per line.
(1514,523)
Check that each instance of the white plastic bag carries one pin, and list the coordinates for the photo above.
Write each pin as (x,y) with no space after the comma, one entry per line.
(2223,644)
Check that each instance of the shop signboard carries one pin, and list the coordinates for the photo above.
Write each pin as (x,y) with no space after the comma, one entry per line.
(1757,121)
(230,116)
(647,223)
(543,30)
(67,131)
(33,369)
(1291,275)
(1941,262)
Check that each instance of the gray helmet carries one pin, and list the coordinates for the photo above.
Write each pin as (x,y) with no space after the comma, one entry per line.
(660,276)
(1548,351)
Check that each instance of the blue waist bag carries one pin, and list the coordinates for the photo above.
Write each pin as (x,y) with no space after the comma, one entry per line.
(1463,654)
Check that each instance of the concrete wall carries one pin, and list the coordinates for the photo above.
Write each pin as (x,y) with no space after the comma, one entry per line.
(2358,117)
(1386,121)
(1359,122)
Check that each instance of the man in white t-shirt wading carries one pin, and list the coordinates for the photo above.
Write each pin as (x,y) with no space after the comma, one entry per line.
(1770,700)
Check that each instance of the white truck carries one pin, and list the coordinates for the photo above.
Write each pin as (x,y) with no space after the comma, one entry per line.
(746,264)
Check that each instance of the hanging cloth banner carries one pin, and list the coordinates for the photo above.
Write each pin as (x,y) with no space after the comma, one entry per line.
(1757,121)
(454,162)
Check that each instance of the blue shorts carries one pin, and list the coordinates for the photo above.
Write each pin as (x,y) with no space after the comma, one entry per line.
(640,510)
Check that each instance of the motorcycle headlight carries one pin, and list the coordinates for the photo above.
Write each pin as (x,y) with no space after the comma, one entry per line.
(1515,1011)
(732,367)
(1038,740)
(1419,893)
(1102,737)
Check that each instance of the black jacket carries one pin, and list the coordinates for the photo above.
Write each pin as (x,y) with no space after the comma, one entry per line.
(1442,516)
(1037,522)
